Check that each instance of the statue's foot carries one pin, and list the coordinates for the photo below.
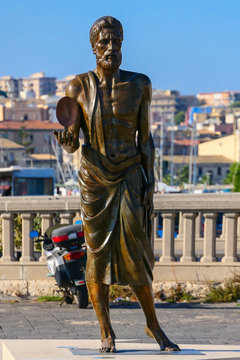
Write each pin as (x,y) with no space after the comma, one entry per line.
(168,345)
(162,340)
(108,345)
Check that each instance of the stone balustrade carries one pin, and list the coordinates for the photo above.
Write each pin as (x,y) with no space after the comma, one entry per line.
(193,254)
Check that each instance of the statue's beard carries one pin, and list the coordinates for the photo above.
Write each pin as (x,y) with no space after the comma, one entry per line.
(110,63)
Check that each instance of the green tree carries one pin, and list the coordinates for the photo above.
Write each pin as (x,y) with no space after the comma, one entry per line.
(179,117)
(182,175)
(233,177)
(167,179)
(24,139)
(235,104)
(201,102)
(206,180)
(18,230)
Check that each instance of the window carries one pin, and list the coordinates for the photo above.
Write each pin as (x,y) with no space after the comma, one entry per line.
(199,171)
(11,157)
(33,186)
(219,171)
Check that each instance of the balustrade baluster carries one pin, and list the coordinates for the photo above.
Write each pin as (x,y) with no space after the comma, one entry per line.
(231,237)
(223,235)
(209,252)
(168,237)
(47,221)
(27,242)
(189,237)
(180,226)
(238,228)
(7,237)
(154,229)
(198,226)
(67,218)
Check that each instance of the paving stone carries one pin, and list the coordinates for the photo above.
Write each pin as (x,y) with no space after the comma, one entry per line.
(184,323)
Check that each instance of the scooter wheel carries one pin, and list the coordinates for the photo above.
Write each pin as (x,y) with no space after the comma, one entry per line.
(82,297)
(69,299)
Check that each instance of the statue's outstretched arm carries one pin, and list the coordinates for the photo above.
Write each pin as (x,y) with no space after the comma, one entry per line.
(69,138)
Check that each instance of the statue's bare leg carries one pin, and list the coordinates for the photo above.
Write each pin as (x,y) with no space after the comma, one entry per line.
(99,294)
(145,297)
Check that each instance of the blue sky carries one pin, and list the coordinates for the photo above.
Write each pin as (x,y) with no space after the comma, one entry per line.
(188,45)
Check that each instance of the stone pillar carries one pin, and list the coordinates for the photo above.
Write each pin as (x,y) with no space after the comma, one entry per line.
(231,237)
(155,224)
(8,237)
(238,228)
(198,226)
(180,226)
(209,252)
(168,237)
(189,237)
(223,235)
(27,243)
(47,221)
(154,229)
(67,218)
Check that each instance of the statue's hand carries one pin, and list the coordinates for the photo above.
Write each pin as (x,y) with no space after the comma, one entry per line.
(68,140)
(148,197)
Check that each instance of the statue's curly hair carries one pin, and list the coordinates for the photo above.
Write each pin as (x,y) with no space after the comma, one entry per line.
(104,22)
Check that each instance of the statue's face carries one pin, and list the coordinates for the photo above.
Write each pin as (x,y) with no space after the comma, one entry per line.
(107,49)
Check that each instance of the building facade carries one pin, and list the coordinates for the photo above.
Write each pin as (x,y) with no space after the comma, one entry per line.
(9,85)
(61,85)
(36,85)
(221,98)
(38,134)
(12,153)
(21,111)
(167,103)
(214,167)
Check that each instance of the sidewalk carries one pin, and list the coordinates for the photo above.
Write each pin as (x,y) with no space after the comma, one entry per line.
(184,323)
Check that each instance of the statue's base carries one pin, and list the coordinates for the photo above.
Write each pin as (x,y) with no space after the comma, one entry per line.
(127,349)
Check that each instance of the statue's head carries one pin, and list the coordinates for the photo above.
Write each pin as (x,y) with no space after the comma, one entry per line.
(105,22)
(106,36)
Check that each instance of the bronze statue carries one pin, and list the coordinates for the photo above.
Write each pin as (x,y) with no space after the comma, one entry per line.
(116,178)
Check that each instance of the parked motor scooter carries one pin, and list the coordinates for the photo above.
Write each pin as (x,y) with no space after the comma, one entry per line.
(65,249)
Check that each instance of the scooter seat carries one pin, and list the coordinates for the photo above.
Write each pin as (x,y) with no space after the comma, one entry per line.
(65,236)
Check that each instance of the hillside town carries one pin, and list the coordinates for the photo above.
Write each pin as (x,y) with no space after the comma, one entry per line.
(196,136)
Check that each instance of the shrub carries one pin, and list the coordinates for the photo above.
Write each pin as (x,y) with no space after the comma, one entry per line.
(230,291)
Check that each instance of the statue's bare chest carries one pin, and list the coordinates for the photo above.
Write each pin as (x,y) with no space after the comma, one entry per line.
(121,102)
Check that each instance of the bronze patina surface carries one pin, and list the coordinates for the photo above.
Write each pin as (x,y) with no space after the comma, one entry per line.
(116,178)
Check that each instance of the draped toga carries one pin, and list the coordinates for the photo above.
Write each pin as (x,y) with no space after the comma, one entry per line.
(111,204)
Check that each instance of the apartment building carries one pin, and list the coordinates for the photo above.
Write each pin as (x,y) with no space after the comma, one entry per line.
(33,86)
(214,166)
(39,133)
(228,145)
(221,98)
(11,153)
(165,103)
(9,85)
(22,110)
(36,85)
(61,85)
